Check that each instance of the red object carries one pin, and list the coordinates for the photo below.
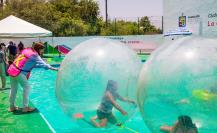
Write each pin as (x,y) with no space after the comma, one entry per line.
(78,115)
(63,49)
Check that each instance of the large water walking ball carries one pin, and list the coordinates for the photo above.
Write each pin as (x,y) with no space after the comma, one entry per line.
(180,78)
(88,70)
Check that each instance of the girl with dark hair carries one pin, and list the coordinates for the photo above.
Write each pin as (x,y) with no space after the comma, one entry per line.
(183,125)
(104,111)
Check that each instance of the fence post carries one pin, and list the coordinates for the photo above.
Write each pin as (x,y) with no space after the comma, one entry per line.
(138,28)
(115,27)
(162,22)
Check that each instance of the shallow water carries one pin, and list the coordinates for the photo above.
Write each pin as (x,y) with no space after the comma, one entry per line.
(43,97)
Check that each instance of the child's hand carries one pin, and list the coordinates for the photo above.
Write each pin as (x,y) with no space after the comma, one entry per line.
(55,69)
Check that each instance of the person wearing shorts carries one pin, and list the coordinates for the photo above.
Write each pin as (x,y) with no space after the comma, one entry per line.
(104,111)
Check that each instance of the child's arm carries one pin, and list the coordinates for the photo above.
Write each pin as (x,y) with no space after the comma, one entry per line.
(126,100)
(169,129)
(166,129)
(110,97)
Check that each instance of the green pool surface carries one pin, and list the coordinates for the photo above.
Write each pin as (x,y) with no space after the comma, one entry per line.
(33,122)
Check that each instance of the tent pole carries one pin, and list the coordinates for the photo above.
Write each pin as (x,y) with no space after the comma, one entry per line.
(39,40)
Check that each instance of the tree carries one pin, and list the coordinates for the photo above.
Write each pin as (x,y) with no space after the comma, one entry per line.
(73,18)
(71,27)
(147,27)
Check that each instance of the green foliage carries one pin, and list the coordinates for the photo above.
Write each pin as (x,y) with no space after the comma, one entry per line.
(73,18)
(122,28)
(71,27)
(147,27)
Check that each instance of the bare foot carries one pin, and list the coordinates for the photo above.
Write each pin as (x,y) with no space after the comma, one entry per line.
(28,109)
(12,109)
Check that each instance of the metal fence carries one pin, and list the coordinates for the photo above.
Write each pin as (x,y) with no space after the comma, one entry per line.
(156,21)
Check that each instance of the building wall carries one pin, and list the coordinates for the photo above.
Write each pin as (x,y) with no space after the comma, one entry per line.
(201,16)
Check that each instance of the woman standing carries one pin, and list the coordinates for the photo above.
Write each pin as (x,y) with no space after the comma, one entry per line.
(19,72)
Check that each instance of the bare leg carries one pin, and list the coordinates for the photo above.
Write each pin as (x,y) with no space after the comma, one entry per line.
(166,128)
(94,122)
(102,122)
(112,119)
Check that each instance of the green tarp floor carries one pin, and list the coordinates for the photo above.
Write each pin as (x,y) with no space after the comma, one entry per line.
(18,122)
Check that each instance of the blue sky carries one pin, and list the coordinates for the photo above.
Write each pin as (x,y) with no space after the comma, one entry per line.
(131,8)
